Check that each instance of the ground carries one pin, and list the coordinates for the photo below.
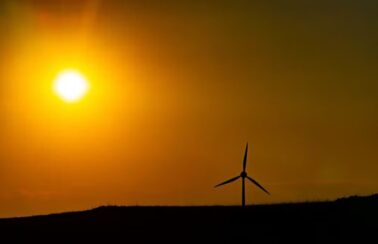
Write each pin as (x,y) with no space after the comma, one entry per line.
(349,219)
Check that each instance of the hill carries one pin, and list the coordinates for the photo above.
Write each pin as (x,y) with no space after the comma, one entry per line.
(347,219)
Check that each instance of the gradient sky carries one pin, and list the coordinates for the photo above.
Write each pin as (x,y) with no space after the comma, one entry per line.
(177,89)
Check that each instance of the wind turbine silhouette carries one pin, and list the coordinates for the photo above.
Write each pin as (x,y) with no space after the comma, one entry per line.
(244,175)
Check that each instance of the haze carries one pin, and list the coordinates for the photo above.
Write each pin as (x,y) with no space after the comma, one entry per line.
(177,89)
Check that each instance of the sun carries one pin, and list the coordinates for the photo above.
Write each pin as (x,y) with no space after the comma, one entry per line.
(70,85)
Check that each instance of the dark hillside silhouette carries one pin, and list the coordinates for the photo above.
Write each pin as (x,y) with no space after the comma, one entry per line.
(347,219)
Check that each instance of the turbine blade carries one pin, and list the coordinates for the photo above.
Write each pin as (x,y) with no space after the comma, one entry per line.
(258,185)
(228,181)
(245,158)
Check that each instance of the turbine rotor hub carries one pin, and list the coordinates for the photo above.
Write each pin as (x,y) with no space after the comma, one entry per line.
(243,174)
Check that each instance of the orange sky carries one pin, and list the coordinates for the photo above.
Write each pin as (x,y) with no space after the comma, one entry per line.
(177,89)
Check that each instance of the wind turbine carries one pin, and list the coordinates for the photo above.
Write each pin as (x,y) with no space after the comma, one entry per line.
(244,175)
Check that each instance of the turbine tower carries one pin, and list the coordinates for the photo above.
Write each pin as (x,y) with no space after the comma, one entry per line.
(244,175)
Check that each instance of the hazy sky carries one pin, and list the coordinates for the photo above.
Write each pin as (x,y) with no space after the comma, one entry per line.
(177,89)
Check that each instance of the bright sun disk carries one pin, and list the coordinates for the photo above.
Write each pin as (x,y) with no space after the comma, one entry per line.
(70,85)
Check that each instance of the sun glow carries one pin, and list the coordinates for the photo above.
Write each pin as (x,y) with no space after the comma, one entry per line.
(70,85)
